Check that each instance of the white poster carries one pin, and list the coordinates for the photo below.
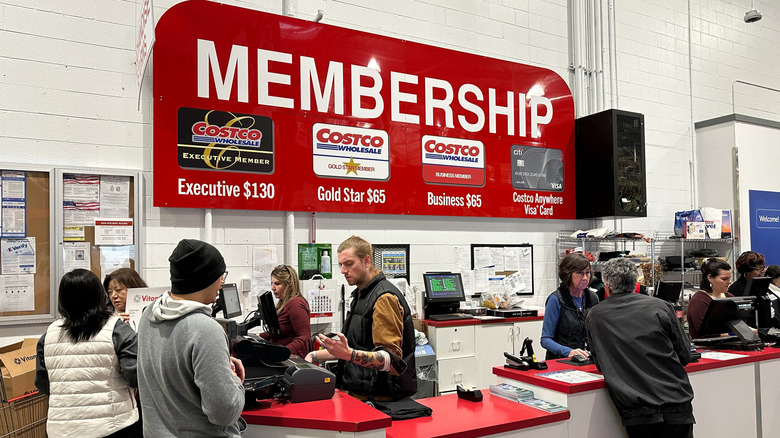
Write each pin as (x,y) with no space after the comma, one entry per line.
(18,255)
(264,259)
(80,199)
(114,196)
(113,231)
(75,255)
(14,204)
(115,257)
(18,293)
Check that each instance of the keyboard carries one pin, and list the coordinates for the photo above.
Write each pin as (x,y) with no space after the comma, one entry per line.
(449,317)
(714,341)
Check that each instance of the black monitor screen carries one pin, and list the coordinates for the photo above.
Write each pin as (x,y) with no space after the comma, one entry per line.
(443,287)
(268,311)
(757,286)
(669,290)
(229,300)
(723,311)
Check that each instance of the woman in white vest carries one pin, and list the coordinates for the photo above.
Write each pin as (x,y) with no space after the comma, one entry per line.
(86,362)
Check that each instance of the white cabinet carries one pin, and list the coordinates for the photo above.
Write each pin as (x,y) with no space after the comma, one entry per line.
(452,342)
(456,371)
(491,343)
(466,354)
(455,360)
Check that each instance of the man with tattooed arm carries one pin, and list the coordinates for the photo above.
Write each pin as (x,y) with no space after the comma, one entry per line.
(376,353)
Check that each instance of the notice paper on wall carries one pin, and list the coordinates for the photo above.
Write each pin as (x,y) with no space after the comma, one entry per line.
(13,192)
(114,196)
(75,255)
(115,257)
(17,293)
(80,199)
(264,259)
(18,255)
(113,231)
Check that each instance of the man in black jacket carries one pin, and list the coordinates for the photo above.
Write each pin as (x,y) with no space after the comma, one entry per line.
(639,345)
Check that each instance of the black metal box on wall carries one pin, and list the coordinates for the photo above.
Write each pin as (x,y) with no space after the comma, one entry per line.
(610,164)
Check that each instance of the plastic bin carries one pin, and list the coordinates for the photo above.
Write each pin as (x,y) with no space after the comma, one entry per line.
(425,361)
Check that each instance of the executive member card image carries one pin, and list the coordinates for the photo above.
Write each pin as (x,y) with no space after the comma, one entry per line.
(225,141)
(537,168)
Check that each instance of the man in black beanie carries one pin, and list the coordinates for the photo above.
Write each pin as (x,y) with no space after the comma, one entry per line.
(183,353)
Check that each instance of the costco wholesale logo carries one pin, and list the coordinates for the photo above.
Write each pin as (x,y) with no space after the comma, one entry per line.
(350,152)
(453,161)
(226,141)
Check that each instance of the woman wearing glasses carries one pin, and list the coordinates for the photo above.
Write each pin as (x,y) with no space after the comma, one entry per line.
(563,329)
(293,311)
(749,264)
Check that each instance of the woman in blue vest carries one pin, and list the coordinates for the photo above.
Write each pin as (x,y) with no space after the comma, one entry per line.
(563,330)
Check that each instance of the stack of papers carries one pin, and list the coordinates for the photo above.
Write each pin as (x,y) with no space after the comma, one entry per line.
(511,392)
(543,405)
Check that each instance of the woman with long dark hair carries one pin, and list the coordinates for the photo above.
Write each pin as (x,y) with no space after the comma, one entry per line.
(715,281)
(86,362)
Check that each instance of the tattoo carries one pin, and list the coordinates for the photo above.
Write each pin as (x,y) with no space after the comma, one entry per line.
(369,359)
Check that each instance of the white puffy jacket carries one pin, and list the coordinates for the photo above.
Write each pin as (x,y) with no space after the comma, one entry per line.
(88,396)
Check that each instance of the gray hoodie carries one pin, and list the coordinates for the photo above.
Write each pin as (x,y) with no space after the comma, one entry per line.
(186,386)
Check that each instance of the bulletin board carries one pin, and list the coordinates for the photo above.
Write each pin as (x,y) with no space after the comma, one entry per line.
(504,260)
(27,285)
(97,226)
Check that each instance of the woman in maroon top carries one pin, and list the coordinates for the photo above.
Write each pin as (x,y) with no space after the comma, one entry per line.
(715,281)
(293,311)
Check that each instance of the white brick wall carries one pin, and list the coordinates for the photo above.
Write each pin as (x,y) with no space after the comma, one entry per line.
(68,98)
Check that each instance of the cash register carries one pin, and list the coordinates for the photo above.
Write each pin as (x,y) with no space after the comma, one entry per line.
(729,315)
(270,370)
(443,294)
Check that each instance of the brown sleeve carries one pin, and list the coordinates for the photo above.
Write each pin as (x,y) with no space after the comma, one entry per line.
(388,327)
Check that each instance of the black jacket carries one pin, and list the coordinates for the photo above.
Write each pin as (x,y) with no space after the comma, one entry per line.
(358,330)
(639,345)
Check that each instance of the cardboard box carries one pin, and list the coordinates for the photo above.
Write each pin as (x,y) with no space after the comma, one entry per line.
(694,230)
(17,364)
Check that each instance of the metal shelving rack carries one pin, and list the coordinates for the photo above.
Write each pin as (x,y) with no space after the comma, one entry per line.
(665,238)
(615,244)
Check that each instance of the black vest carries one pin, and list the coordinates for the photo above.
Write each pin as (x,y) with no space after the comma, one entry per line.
(570,331)
(358,328)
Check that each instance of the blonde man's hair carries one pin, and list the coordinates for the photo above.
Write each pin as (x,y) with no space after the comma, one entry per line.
(361,246)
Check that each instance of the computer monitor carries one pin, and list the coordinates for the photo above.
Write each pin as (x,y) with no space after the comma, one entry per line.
(443,292)
(669,290)
(229,301)
(767,303)
(757,286)
(730,315)
(268,311)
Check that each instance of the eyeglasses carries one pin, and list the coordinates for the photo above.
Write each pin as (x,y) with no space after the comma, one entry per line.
(283,267)
(224,276)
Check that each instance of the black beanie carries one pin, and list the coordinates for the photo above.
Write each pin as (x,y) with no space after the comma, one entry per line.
(195,265)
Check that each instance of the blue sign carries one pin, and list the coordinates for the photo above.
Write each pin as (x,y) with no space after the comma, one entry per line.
(765,224)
